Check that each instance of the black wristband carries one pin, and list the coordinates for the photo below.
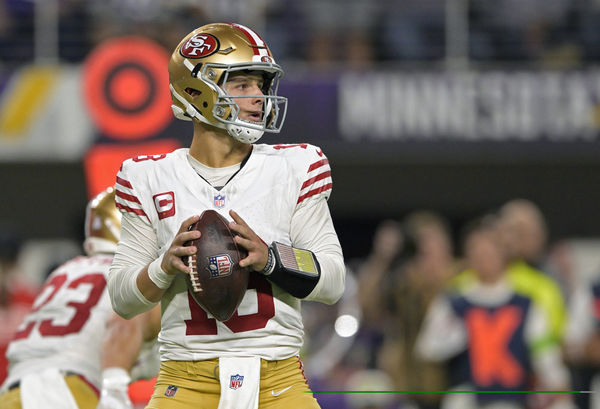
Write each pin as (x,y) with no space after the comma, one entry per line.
(297,271)
(270,263)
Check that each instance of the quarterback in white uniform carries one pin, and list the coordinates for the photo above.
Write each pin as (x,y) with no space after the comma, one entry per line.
(223,78)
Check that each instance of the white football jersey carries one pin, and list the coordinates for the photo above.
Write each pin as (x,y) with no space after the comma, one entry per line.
(276,180)
(66,325)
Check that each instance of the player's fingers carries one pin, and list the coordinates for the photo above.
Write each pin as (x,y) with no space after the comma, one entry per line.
(237,218)
(188,222)
(245,243)
(181,251)
(178,264)
(239,225)
(188,235)
(240,229)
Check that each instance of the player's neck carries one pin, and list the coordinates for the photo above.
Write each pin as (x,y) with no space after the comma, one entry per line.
(215,148)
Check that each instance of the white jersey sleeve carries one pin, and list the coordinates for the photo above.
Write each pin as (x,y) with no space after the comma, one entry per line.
(64,329)
(311,224)
(138,245)
(313,173)
(127,300)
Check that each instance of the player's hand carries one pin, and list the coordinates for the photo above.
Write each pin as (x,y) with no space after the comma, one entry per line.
(114,399)
(115,382)
(172,262)
(258,251)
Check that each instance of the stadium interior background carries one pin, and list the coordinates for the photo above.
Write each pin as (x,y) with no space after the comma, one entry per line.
(454,106)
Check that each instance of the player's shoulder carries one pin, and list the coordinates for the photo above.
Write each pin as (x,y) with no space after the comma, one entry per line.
(143,163)
(297,151)
(82,265)
(303,157)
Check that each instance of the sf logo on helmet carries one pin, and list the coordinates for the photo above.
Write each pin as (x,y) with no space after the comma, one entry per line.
(200,45)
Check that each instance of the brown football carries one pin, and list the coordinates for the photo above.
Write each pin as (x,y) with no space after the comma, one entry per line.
(216,282)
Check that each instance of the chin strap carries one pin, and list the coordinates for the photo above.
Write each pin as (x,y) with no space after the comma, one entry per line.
(236,130)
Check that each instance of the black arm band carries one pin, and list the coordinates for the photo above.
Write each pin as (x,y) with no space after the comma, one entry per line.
(297,271)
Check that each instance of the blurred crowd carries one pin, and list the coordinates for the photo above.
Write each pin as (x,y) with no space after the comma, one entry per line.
(491,306)
(354,33)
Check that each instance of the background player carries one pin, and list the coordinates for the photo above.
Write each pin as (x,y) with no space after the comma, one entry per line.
(223,77)
(492,337)
(56,357)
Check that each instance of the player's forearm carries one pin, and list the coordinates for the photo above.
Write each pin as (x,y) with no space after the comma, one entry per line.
(126,297)
(312,229)
(330,287)
(122,342)
(131,290)
(147,287)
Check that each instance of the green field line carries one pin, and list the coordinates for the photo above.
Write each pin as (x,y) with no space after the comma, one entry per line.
(439,392)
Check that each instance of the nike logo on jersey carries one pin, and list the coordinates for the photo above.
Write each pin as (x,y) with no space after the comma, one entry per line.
(279,392)
(319,152)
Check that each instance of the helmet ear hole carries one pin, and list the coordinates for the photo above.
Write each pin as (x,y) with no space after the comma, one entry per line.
(192,92)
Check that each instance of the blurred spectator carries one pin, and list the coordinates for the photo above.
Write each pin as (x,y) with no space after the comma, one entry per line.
(375,278)
(582,340)
(492,337)
(347,33)
(521,29)
(284,19)
(340,31)
(417,282)
(524,234)
(164,22)
(74,23)
(587,18)
(368,299)
(16,32)
(560,265)
(16,293)
(412,30)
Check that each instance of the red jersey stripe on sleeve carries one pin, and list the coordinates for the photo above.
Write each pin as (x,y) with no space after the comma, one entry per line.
(139,212)
(314,179)
(126,196)
(314,192)
(124,183)
(318,164)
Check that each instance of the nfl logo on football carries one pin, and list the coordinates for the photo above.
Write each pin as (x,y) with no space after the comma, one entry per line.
(219,265)
(219,201)
(236,381)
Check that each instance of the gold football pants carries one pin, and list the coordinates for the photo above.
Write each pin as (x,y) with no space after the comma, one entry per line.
(85,395)
(195,385)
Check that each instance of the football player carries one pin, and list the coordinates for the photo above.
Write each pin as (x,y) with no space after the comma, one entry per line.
(71,334)
(224,79)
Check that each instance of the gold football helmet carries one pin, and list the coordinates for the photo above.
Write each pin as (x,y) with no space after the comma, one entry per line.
(102,224)
(202,63)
